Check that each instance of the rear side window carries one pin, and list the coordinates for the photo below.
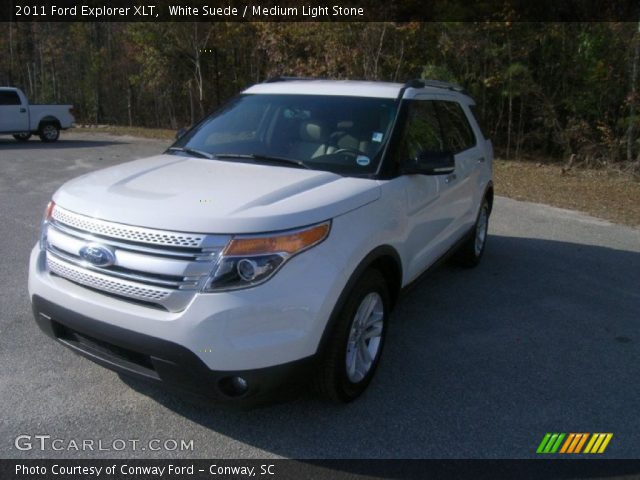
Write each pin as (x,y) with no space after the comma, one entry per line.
(458,135)
(9,98)
(421,132)
(478,117)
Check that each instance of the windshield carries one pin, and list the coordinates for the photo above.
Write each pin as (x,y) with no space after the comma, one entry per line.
(344,135)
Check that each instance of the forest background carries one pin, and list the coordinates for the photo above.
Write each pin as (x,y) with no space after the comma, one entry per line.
(553,90)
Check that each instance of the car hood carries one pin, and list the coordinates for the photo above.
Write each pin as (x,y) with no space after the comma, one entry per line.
(210,196)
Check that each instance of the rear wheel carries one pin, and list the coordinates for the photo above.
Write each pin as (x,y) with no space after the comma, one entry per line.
(471,251)
(356,342)
(49,132)
(22,137)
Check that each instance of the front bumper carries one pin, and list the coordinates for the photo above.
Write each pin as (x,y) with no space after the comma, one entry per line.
(264,334)
(161,361)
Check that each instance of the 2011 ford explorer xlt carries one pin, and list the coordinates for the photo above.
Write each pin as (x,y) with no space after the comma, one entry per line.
(271,241)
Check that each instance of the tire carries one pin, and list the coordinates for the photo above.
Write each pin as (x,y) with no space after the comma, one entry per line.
(49,132)
(22,137)
(344,372)
(470,252)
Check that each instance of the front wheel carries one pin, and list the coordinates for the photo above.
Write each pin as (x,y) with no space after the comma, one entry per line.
(49,132)
(471,250)
(356,342)
(22,137)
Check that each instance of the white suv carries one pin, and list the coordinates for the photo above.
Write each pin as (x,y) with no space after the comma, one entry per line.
(271,241)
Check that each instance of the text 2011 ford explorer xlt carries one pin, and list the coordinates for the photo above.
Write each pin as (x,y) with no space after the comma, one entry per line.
(271,241)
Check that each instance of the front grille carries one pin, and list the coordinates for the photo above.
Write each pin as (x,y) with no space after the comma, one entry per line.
(103,282)
(126,232)
(156,267)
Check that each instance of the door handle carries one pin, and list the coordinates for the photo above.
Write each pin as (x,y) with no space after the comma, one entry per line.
(450,178)
(481,160)
(23,110)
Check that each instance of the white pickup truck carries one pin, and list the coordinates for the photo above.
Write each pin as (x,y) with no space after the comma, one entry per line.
(21,120)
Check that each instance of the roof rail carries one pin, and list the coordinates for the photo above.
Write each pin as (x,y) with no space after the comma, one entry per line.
(281,78)
(425,82)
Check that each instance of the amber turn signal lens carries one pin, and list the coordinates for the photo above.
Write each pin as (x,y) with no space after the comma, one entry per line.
(49,210)
(286,243)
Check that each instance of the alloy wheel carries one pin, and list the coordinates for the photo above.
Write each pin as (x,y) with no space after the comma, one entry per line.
(365,337)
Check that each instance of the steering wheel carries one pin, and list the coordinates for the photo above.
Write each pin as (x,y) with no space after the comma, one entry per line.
(353,151)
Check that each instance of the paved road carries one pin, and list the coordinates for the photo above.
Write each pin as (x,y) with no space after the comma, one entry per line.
(543,337)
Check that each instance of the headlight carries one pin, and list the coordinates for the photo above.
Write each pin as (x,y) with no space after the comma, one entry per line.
(45,221)
(251,260)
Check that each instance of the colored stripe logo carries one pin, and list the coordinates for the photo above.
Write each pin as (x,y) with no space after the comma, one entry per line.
(574,443)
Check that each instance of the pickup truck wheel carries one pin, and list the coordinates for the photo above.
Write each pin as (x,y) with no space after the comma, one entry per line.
(22,137)
(471,251)
(49,132)
(356,342)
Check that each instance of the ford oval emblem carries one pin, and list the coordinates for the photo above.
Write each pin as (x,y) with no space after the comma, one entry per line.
(98,255)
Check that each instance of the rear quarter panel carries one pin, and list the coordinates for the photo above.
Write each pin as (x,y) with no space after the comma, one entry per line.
(37,113)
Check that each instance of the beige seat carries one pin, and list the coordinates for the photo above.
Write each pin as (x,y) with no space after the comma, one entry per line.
(311,142)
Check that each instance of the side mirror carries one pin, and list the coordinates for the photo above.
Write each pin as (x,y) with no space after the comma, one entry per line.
(180,133)
(430,163)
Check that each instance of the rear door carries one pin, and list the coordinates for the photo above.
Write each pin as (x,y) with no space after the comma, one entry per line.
(459,187)
(14,117)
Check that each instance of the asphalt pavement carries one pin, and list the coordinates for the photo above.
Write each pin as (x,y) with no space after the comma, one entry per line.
(544,336)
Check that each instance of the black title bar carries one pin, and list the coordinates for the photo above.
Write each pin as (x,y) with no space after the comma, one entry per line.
(347,10)
(122,469)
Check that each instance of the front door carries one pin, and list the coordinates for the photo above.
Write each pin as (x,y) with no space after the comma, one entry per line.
(14,117)
(426,207)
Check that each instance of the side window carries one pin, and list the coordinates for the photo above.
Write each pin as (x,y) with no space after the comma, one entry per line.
(421,131)
(9,98)
(458,135)
(478,117)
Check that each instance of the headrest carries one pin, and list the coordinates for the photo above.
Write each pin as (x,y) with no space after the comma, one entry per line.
(313,132)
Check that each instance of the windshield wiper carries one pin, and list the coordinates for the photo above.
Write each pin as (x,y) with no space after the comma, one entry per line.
(264,158)
(192,151)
